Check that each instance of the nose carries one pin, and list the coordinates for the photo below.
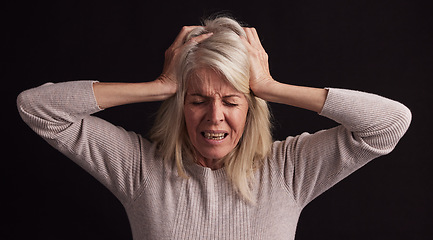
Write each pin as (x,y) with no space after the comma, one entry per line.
(215,113)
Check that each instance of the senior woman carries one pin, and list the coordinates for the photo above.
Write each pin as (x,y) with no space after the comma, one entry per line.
(211,169)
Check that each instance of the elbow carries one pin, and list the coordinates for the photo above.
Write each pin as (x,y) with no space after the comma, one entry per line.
(28,100)
(388,138)
(381,140)
(25,106)
(23,101)
(401,120)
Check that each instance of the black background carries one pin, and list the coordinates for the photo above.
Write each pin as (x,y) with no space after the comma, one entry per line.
(384,47)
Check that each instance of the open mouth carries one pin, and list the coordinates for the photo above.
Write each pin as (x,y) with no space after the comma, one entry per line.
(214,136)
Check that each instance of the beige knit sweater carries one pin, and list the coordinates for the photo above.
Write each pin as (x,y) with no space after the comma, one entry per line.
(161,205)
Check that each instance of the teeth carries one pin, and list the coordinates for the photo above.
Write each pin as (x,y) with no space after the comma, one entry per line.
(214,136)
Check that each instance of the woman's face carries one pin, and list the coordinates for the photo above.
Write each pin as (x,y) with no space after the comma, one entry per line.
(215,114)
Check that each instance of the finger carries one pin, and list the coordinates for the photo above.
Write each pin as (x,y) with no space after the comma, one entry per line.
(181,36)
(247,44)
(245,41)
(256,36)
(253,38)
(201,38)
(249,35)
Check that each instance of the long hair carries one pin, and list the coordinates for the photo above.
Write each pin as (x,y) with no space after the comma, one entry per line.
(225,53)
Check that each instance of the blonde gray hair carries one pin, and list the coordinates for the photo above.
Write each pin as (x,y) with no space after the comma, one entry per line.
(224,53)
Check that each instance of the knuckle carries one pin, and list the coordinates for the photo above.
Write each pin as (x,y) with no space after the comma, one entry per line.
(187,28)
(175,51)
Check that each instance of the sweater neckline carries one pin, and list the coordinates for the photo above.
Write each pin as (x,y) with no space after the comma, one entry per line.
(198,170)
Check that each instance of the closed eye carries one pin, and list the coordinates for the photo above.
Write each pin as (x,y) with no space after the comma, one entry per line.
(231,104)
(197,102)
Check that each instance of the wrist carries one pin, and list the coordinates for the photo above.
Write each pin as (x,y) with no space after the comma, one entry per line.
(166,86)
(263,89)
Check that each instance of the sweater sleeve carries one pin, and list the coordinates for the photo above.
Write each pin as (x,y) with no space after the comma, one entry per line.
(61,114)
(371,126)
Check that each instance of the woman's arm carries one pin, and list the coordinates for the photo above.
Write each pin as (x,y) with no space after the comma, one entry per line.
(61,114)
(371,126)
(114,94)
(303,97)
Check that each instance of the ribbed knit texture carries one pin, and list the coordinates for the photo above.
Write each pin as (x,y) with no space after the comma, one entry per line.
(161,205)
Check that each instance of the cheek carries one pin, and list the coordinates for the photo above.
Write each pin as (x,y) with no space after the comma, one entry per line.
(237,121)
(191,120)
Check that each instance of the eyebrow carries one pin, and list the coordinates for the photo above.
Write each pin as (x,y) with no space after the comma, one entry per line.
(204,96)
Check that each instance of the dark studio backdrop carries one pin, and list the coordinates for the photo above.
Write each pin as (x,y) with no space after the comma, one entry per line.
(384,47)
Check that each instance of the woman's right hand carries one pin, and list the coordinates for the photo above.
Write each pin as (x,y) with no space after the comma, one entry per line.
(114,94)
(168,76)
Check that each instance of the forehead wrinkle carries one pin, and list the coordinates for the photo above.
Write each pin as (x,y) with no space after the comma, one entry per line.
(207,83)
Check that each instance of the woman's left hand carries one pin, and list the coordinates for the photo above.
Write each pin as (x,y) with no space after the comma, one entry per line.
(260,76)
(266,88)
